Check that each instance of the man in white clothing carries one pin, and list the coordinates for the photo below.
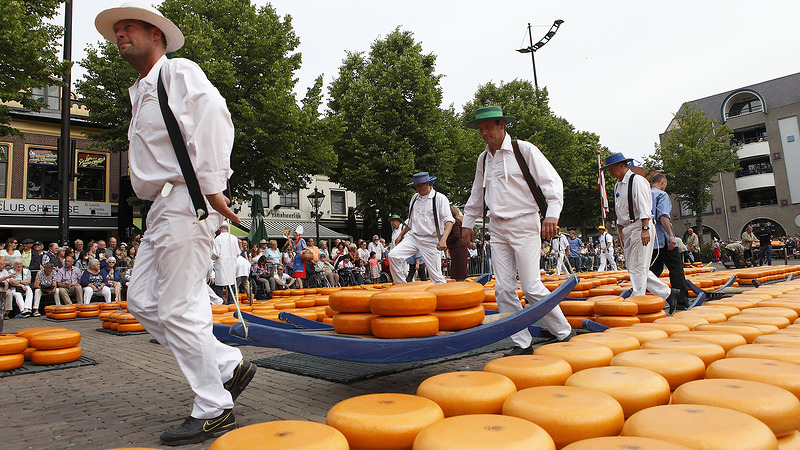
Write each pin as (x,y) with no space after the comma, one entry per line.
(429,224)
(224,253)
(397,227)
(633,204)
(167,293)
(606,250)
(500,186)
(559,245)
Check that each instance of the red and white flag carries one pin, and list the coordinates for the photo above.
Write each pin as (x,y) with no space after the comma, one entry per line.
(601,186)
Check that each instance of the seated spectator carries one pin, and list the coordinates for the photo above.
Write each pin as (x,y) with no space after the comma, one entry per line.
(360,271)
(325,266)
(345,269)
(263,273)
(83,260)
(44,284)
(68,281)
(282,280)
(20,281)
(94,283)
(113,276)
(5,290)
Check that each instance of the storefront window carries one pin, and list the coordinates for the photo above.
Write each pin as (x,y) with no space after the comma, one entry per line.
(3,169)
(42,174)
(289,199)
(338,206)
(91,177)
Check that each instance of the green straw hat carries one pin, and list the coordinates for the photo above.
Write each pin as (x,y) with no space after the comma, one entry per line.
(488,113)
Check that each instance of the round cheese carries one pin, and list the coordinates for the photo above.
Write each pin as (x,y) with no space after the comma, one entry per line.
(59,356)
(482,431)
(579,355)
(675,366)
(283,434)
(634,388)
(457,295)
(460,319)
(531,370)
(468,392)
(353,323)
(724,339)
(617,342)
(402,303)
(777,373)
(779,352)
(402,327)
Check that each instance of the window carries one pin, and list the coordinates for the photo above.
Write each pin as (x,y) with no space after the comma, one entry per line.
(745,106)
(4,150)
(51,96)
(91,185)
(758,197)
(42,174)
(338,204)
(264,196)
(758,134)
(289,199)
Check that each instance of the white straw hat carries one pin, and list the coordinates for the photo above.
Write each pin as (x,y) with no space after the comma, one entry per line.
(106,20)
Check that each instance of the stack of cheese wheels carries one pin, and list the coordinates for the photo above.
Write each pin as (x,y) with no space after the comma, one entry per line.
(402,313)
(468,392)
(481,431)
(531,370)
(283,434)
(105,318)
(353,315)
(11,351)
(458,305)
(616,313)
(489,300)
(383,420)
(634,388)
(64,312)
(579,355)
(576,311)
(55,347)
(567,413)
(126,323)
(88,309)
(650,307)
(581,289)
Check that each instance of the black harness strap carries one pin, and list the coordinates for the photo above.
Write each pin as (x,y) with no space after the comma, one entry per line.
(435,213)
(630,198)
(526,172)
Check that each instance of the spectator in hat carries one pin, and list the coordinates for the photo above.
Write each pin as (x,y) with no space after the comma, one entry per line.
(27,252)
(429,224)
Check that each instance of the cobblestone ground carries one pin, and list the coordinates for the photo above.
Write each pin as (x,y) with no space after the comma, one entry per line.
(137,391)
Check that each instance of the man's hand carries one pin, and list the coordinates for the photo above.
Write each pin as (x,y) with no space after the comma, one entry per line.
(645,237)
(442,245)
(467,235)
(219,202)
(549,227)
(672,242)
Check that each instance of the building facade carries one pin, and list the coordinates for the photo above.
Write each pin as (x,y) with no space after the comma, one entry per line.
(766,188)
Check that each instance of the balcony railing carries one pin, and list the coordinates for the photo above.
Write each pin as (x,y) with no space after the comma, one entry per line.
(759,203)
(744,110)
(753,171)
(749,140)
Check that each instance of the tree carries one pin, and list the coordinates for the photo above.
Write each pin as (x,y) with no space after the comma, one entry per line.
(572,153)
(388,104)
(28,55)
(694,151)
(247,53)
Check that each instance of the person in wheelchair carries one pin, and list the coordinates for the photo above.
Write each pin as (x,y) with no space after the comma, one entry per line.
(262,274)
(345,269)
(327,269)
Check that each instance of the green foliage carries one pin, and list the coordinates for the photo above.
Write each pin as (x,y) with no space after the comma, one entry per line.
(572,153)
(388,104)
(28,54)
(694,152)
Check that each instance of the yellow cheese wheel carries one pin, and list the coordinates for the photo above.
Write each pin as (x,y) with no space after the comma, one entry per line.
(457,295)
(297,292)
(617,321)
(690,322)
(675,366)
(304,302)
(285,304)
(353,323)
(330,312)
(624,443)
(490,306)
(131,327)
(329,320)
(616,308)
(64,308)
(777,321)
(577,307)
(28,352)
(10,344)
(647,304)
(600,298)
(402,327)
(727,310)
(776,407)
(736,303)
(794,305)
(617,342)
(219,309)
(87,307)
(414,285)
(403,303)
(724,339)
(790,441)
(468,392)
(328,290)
(460,319)
(701,426)
(62,316)
(643,334)
(283,434)
(383,421)
(710,316)
(571,413)
(779,352)
(579,355)
(577,321)
(779,337)
(11,361)
(772,311)
(531,370)
(669,328)
(707,351)
(749,333)
(59,356)
(321,301)
(50,340)
(351,300)
(634,388)
(483,431)
(651,317)
(777,373)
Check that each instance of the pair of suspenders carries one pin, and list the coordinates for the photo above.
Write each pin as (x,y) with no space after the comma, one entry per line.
(435,213)
(536,191)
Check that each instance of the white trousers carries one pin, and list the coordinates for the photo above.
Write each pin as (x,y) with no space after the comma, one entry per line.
(607,257)
(27,303)
(411,244)
(637,260)
(168,295)
(560,266)
(516,247)
(88,293)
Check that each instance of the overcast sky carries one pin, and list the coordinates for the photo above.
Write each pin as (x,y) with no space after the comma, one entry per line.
(619,69)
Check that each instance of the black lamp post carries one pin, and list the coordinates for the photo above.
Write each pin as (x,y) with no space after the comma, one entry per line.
(316,198)
(533,47)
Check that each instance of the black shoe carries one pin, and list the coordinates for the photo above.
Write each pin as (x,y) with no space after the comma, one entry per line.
(241,378)
(520,351)
(672,300)
(571,335)
(193,431)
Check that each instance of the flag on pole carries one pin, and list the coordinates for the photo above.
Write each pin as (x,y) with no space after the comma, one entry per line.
(601,186)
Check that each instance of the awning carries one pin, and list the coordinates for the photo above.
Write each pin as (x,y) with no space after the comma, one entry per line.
(275,229)
(51,222)
(236,230)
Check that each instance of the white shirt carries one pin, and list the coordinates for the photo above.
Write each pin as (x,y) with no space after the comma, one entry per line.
(606,241)
(559,243)
(507,194)
(204,121)
(242,266)
(224,253)
(378,248)
(395,235)
(421,218)
(642,199)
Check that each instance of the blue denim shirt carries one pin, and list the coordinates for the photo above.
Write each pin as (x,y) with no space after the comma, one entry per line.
(662,206)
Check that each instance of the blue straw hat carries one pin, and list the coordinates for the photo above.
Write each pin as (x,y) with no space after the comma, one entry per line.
(421,178)
(615,158)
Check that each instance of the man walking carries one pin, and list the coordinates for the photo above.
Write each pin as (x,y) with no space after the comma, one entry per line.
(634,205)
(693,245)
(224,253)
(167,292)
(575,257)
(500,186)
(558,245)
(665,246)
(748,239)
(606,250)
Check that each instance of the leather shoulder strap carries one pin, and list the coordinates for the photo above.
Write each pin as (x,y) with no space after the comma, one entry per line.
(630,198)
(535,189)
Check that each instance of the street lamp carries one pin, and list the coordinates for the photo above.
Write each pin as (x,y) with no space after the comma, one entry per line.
(533,47)
(316,198)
